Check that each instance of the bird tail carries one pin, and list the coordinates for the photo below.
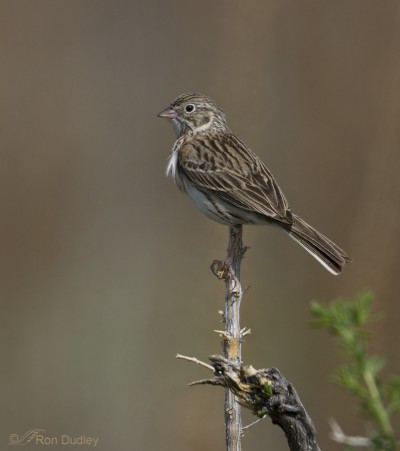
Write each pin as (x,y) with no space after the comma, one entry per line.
(321,248)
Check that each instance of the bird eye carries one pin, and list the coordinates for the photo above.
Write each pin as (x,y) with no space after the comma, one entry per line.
(190,108)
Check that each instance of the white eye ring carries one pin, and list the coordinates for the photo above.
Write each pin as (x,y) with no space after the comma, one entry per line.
(189,108)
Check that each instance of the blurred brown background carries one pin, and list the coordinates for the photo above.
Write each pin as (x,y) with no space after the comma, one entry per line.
(105,266)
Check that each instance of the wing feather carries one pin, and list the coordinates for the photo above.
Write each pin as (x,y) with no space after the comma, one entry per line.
(233,172)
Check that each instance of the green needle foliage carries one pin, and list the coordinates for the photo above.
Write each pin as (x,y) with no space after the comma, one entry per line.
(379,399)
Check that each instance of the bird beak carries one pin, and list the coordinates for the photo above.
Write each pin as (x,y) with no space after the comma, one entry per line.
(168,113)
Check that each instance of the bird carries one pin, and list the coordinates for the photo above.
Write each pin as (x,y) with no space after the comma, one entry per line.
(229,183)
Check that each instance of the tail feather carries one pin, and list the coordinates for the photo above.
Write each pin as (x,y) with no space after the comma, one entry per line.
(321,248)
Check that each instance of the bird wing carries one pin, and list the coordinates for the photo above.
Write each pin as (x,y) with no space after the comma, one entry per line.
(233,172)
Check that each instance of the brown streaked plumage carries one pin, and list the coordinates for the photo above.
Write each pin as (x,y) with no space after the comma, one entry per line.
(229,183)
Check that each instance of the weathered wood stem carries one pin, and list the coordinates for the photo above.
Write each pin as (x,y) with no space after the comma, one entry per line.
(229,270)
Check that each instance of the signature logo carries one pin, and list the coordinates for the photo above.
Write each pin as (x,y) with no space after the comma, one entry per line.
(36,437)
(26,438)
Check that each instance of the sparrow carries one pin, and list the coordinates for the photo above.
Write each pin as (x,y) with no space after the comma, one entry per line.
(229,183)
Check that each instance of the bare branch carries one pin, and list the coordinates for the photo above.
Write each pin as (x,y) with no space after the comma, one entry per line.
(253,423)
(267,392)
(229,270)
(194,360)
(339,436)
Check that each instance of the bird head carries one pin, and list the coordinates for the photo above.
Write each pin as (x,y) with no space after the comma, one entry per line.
(195,113)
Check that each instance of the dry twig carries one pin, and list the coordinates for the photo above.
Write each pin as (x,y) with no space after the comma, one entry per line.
(229,270)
